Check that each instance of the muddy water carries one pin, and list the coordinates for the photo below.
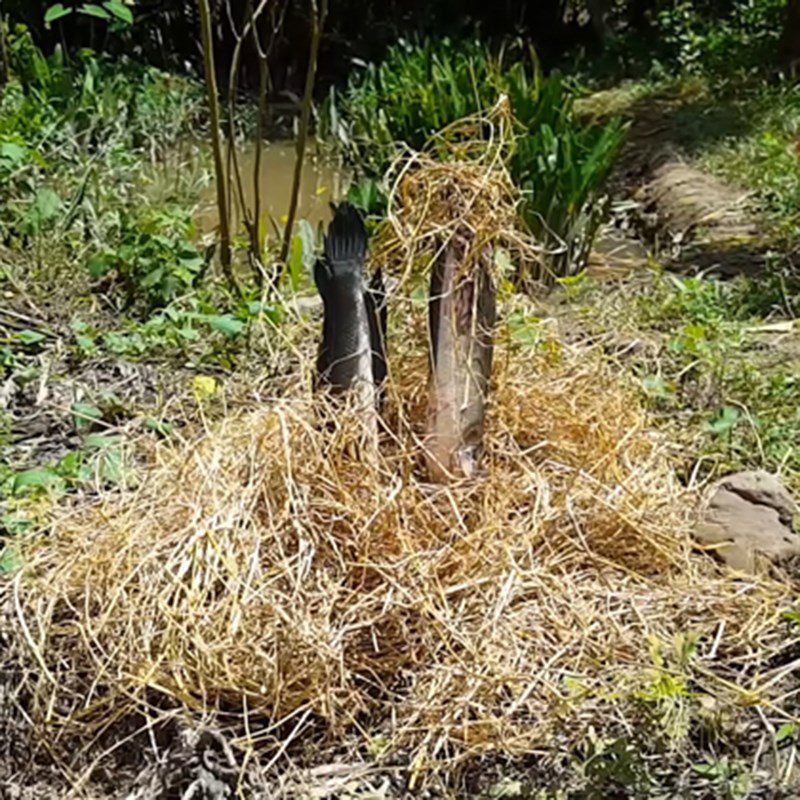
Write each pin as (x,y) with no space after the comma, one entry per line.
(323,183)
(615,254)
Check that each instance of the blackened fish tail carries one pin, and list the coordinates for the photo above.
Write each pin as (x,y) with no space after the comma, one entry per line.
(346,240)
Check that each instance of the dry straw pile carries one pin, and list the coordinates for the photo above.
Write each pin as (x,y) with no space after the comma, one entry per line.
(267,578)
(459,187)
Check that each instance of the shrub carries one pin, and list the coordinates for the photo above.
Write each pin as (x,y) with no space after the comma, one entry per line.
(415,92)
(561,166)
(64,122)
(155,260)
(721,37)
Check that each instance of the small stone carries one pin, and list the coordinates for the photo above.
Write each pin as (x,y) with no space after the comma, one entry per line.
(747,522)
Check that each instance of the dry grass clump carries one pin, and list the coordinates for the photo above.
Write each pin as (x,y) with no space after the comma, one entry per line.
(267,577)
(463,188)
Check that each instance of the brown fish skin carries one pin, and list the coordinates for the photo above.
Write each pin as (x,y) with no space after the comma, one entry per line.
(462,315)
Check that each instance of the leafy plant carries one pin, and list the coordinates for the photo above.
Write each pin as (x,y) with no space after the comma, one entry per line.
(561,166)
(612,766)
(731,779)
(704,37)
(414,92)
(155,260)
(66,125)
(109,10)
(369,196)
(192,329)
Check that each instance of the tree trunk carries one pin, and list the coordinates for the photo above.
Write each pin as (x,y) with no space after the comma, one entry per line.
(216,143)
(598,10)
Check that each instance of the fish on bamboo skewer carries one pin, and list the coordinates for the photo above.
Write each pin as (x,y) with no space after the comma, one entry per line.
(352,352)
(461,318)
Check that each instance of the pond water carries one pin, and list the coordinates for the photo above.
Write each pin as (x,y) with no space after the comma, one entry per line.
(615,253)
(323,182)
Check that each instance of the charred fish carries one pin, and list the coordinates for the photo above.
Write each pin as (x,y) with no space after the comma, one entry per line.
(352,353)
(461,319)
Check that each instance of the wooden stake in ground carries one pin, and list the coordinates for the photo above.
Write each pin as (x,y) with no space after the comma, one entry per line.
(216,142)
(318,15)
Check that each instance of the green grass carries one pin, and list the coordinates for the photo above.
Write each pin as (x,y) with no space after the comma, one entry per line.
(765,156)
(718,381)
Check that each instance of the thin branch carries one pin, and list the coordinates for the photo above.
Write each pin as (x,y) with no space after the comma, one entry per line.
(5,69)
(263,72)
(216,143)
(264,87)
(232,158)
(318,22)
(233,88)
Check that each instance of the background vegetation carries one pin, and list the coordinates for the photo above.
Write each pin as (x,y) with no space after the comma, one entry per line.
(113,304)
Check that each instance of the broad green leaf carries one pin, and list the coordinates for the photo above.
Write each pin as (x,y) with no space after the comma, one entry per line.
(272,313)
(524,329)
(9,559)
(70,465)
(120,11)
(99,264)
(45,208)
(502,260)
(86,343)
(84,414)
(192,262)
(225,323)
(725,420)
(419,295)
(101,441)
(528,336)
(190,334)
(92,10)
(12,154)
(152,278)
(43,478)
(30,337)
(56,12)
(186,276)
(657,387)
(15,524)
(110,467)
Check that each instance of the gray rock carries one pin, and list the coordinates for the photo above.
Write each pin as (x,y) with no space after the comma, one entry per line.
(763,489)
(747,522)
